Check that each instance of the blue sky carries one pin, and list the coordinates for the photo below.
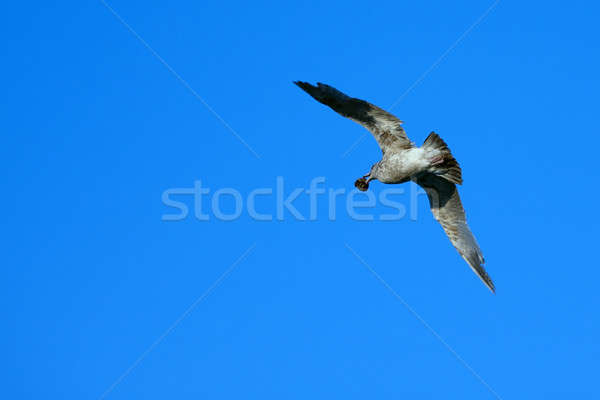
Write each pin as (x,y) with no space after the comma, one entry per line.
(96,128)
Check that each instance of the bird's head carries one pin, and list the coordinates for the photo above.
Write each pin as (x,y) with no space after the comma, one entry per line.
(362,184)
(373,174)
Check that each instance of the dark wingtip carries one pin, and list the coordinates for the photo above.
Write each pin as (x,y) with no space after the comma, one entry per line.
(314,91)
(304,85)
(488,283)
(324,94)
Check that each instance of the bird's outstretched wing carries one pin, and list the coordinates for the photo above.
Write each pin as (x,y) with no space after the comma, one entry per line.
(448,211)
(386,128)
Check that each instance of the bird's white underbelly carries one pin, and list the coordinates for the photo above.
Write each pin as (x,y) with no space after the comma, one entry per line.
(405,164)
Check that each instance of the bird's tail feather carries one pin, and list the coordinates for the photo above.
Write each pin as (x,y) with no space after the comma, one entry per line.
(446,165)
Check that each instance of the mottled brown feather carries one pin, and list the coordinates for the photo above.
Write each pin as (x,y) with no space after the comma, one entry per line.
(385,127)
(448,211)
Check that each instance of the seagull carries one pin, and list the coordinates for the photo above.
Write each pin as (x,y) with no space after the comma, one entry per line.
(431,166)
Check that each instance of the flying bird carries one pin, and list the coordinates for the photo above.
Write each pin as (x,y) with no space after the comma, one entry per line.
(431,166)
